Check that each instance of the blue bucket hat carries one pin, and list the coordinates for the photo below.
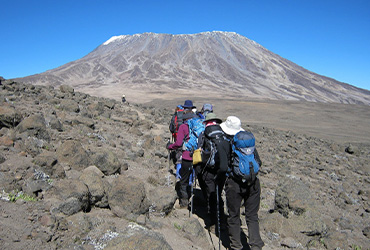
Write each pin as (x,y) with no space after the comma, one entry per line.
(188,104)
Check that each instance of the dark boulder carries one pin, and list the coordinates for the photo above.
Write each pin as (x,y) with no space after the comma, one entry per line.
(68,197)
(162,199)
(107,161)
(9,116)
(127,197)
(34,125)
(71,152)
(98,187)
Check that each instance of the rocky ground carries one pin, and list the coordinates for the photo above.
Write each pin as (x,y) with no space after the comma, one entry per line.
(81,172)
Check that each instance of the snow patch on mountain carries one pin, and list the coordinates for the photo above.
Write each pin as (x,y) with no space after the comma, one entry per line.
(114,38)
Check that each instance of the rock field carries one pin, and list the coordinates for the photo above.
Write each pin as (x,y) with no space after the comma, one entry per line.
(82,172)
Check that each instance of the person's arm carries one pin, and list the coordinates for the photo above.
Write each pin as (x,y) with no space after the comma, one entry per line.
(201,140)
(180,138)
(257,157)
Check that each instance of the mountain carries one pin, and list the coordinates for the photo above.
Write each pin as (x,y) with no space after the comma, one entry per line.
(209,63)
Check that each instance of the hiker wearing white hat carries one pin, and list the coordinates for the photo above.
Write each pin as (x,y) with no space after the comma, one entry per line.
(238,190)
(232,125)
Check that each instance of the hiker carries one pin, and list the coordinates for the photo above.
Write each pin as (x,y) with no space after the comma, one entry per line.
(176,121)
(186,160)
(238,189)
(188,106)
(215,149)
(207,108)
(123,98)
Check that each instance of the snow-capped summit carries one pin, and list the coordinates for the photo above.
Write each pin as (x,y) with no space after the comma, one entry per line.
(208,62)
(113,39)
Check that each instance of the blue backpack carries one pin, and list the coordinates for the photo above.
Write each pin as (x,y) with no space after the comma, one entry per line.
(244,165)
(196,127)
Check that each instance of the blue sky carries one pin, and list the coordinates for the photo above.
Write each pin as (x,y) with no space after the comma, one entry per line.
(328,37)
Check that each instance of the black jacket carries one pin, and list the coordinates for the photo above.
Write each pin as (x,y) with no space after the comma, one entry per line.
(223,146)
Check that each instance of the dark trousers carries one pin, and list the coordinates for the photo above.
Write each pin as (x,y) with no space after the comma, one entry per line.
(208,185)
(235,193)
(199,173)
(183,188)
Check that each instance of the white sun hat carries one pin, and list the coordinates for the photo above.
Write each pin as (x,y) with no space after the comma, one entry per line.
(232,125)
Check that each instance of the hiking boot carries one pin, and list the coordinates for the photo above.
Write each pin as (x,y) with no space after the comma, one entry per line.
(212,229)
(184,203)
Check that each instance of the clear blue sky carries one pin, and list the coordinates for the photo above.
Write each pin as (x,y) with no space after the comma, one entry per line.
(328,37)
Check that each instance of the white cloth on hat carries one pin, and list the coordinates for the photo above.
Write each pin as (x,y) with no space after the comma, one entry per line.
(232,125)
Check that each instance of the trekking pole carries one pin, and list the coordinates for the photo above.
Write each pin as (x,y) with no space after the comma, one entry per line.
(192,193)
(169,159)
(218,217)
(194,185)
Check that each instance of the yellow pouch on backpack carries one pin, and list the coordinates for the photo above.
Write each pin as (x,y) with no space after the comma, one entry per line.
(197,156)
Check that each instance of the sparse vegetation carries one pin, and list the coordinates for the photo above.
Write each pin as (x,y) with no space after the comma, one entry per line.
(177,226)
(19,195)
(264,205)
(152,180)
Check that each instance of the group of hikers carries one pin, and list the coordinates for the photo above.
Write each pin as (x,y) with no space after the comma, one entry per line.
(220,155)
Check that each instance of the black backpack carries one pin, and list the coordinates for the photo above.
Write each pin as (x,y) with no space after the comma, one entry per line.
(176,121)
(210,157)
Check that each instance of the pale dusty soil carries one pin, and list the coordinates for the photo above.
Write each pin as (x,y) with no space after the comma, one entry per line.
(342,123)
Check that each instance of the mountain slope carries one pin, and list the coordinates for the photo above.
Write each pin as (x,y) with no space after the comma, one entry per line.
(206,63)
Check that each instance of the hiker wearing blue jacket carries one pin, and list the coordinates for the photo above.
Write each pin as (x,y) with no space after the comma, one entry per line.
(238,190)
